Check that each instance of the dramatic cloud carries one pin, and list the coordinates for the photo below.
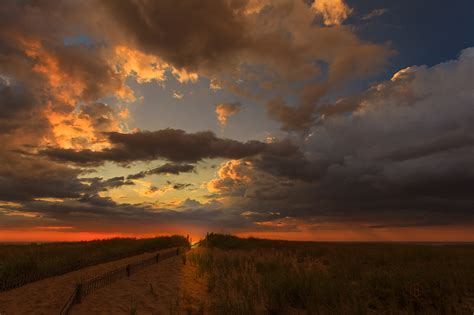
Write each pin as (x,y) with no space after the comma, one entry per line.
(172,144)
(144,67)
(16,107)
(400,155)
(278,37)
(224,111)
(97,184)
(29,178)
(84,128)
(232,177)
(140,40)
(168,168)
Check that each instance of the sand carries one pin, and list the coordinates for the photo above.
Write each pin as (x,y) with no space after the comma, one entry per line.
(169,287)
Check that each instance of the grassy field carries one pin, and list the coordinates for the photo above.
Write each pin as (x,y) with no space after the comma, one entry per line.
(20,264)
(252,276)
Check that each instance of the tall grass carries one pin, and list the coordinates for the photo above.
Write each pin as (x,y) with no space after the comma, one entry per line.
(251,276)
(20,264)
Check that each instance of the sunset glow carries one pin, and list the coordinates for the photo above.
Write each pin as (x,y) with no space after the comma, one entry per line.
(325,120)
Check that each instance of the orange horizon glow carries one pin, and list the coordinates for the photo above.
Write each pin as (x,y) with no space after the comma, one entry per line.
(67,234)
(427,234)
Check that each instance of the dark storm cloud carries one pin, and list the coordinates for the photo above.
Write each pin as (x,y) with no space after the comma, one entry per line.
(188,35)
(292,118)
(168,168)
(95,213)
(172,144)
(98,201)
(400,155)
(285,159)
(27,178)
(97,184)
(16,107)
(440,145)
(24,178)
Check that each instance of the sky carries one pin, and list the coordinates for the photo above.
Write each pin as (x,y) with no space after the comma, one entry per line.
(325,120)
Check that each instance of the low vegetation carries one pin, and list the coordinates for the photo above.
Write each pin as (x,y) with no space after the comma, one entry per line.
(252,276)
(20,264)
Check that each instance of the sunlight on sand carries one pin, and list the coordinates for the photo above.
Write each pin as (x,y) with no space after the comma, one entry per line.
(169,287)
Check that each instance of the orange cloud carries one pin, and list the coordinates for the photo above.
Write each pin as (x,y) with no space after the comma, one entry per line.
(70,131)
(84,128)
(68,84)
(334,12)
(66,89)
(184,76)
(224,111)
(144,67)
(124,113)
(232,174)
(214,85)
(147,68)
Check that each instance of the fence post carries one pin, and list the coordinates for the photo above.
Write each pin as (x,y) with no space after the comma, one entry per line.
(128,270)
(157,257)
(78,297)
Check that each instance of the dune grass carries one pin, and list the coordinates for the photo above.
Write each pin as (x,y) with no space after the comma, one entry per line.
(20,264)
(252,276)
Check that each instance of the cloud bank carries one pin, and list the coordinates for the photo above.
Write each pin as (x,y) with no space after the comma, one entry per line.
(398,154)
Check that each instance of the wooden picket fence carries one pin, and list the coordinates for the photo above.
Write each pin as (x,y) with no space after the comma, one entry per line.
(83,289)
(19,281)
(25,278)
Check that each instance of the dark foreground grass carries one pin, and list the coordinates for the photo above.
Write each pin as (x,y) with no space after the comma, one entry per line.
(251,276)
(20,264)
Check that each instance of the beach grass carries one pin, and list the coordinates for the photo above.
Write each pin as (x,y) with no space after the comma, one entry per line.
(20,264)
(254,276)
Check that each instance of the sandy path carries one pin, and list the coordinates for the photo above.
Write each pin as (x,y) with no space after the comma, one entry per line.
(48,296)
(169,287)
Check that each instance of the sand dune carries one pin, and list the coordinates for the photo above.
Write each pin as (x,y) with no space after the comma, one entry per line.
(158,289)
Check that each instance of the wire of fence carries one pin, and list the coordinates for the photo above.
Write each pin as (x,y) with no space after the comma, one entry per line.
(83,289)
